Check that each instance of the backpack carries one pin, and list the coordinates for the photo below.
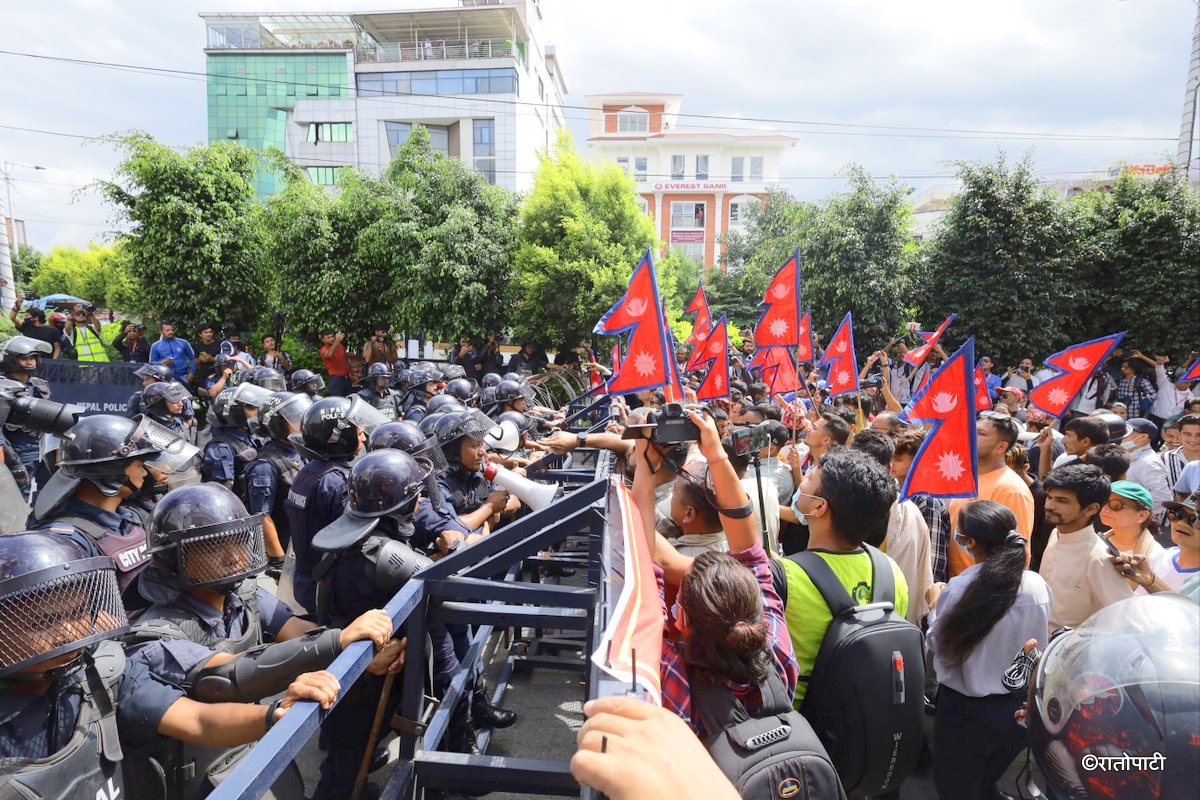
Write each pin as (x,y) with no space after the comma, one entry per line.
(772,755)
(865,697)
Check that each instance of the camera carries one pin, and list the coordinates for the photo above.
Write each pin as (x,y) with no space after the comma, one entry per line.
(140,328)
(671,425)
(33,413)
(750,440)
(30,294)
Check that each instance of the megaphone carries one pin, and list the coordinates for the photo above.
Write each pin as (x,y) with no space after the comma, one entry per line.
(533,494)
(504,437)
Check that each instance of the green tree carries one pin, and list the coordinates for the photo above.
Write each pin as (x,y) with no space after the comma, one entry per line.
(581,235)
(1137,264)
(1001,259)
(459,280)
(88,274)
(25,262)
(194,251)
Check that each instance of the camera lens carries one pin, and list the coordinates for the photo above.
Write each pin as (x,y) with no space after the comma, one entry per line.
(43,416)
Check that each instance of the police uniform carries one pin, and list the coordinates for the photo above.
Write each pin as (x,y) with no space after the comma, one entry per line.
(388,403)
(27,445)
(414,408)
(317,498)
(99,532)
(465,491)
(37,726)
(431,519)
(269,478)
(227,456)
(135,406)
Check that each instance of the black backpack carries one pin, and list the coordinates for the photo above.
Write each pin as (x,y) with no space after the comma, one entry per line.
(865,697)
(772,756)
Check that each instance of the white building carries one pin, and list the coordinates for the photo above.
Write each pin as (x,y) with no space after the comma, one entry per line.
(696,183)
(334,90)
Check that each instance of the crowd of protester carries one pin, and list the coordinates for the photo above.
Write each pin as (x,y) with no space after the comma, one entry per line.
(750,522)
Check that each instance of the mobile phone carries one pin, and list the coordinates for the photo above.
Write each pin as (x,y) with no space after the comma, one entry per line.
(1112,549)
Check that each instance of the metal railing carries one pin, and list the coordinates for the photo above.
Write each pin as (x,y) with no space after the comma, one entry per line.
(440,50)
(477,585)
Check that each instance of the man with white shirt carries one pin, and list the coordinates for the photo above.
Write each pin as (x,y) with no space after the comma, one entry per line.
(1145,466)
(1079,435)
(1021,376)
(1172,394)
(1076,563)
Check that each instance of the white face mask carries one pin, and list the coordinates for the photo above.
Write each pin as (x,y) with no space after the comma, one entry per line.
(1128,445)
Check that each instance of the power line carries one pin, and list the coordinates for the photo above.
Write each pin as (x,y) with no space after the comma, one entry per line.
(867,129)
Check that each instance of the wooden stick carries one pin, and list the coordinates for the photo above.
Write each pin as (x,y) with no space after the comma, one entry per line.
(364,767)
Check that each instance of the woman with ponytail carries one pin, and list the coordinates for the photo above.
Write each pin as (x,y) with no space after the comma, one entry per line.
(978,622)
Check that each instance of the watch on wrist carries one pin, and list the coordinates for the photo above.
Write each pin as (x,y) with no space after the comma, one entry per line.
(581,438)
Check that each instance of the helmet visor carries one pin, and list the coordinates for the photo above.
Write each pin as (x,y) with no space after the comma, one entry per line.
(175,454)
(53,611)
(222,554)
(248,394)
(364,415)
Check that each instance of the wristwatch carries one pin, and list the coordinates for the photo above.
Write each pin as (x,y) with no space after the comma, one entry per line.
(581,438)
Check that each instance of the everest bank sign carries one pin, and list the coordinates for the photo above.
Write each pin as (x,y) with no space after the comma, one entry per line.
(688,187)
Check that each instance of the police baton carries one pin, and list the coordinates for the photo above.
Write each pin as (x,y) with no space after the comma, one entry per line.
(364,768)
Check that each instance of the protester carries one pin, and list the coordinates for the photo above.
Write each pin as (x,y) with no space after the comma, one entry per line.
(1132,526)
(207,348)
(1175,569)
(34,326)
(1134,390)
(379,349)
(1145,467)
(1093,395)
(174,352)
(1076,562)
(1079,435)
(273,357)
(937,517)
(131,344)
(1176,460)
(977,622)
(337,365)
(1020,377)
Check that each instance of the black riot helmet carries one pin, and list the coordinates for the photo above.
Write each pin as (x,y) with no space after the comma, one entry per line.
(511,376)
(462,389)
(330,426)
(159,372)
(402,378)
(202,536)
(156,396)
(281,413)
(487,400)
(231,405)
(491,379)
(307,381)
(379,376)
(18,347)
(419,378)
(454,372)
(428,423)
(410,438)
(432,369)
(511,391)
(523,422)
(270,379)
(53,600)
(443,404)
(383,483)
(452,427)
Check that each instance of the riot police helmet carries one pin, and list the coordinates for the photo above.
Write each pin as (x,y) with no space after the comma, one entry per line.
(307,381)
(511,376)
(159,394)
(523,422)
(436,373)
(234,407)
(402,378)
(280,414)
(383,483)
(491,379)
(456,425)
(454,372)
(1118,428)
(420,377)
(202,536)
(16,348)
(270,379)
(159,372)
(428,423)
(511,391)
(461,388)
(54,600)
(444,403)
(379,376)
(330,427)
(409,437)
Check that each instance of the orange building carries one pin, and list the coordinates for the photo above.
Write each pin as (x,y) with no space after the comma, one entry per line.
(696,183)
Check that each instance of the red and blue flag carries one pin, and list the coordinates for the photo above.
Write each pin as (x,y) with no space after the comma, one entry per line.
(917,355)
(779,323)
(805,352)
(638,313)
(702,325)
(1193,372)
(947,464)
(1072,368)
(983,400)
(839,357)
(779,372)
(714,353)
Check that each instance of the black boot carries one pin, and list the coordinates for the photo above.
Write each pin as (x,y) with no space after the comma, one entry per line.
(462,733)
(486,715)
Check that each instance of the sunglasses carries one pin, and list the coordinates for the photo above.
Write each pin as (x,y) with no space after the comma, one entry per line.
(1183,515)
(1117,505)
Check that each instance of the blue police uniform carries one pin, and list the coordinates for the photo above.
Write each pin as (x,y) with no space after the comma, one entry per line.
(27,445)
(133,407)
(430,520)
(119,535)
(465,491)
(221,461)
(316,499)
(269,478)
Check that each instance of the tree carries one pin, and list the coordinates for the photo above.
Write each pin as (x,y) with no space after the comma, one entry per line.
(582,233)
(459,281)
(1137,263)
(1001,260)
(25,262)
(194,251)
(95,274)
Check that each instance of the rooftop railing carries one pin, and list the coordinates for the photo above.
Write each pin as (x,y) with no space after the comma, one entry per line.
(441,50)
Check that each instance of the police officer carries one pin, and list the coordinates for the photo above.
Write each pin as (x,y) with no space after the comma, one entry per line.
(376,390)
(461,389)
(150,374)
(307,382)
(331,433)
(164,403)
(454,372)
(221,377)
(231,448)
(270,379)
(70,702)
(512,396)
(102,462)
(269,477)
(461,437)
(401,378)
(209,624)
(19,359)
(443,404)
(366,558)
(423,385)
(490,380)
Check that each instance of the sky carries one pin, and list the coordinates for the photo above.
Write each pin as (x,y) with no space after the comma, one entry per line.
(1112,68)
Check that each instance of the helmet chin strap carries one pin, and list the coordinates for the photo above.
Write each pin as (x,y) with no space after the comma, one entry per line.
(52,675)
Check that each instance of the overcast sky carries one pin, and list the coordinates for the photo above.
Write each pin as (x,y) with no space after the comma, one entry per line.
(1093,67)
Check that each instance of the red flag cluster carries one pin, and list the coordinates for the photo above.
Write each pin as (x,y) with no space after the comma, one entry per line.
(714,354)
(946,465)
(645,365)
(779,323)
(839,357)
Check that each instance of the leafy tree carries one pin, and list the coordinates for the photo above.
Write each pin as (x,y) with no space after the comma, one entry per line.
(1002,260)
(581,235)
(88,274)
(458,282)
(1137,264)
(25,262)
(194,251)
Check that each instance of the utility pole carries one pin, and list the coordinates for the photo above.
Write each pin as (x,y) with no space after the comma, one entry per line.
(1189,130)
(8,245)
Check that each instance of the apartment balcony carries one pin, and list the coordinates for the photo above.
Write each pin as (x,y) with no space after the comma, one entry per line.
(441,50)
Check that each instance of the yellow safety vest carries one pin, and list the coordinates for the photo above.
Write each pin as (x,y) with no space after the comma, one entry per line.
(88,346)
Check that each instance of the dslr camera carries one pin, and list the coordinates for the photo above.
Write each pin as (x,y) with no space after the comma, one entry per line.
(671,425)
(30,294)
(750,440)
(33,413)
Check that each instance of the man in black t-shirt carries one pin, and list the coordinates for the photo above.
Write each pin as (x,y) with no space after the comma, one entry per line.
(207,348)
(35,327)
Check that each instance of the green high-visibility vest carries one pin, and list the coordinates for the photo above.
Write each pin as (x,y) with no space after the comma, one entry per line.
(88,345)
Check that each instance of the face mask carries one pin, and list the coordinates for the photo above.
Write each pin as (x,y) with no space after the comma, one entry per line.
(800,517)
(1129,445)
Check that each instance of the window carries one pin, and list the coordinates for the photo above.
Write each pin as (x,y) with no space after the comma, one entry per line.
(623,163)
(323,176)
(739,210)
(330,132)
(639,168)
(737,169)
(677,167)
(756,168)
(643,205)
(686,214)
(701,167)
(693,250)
(446,81)
(397,134)
(633,120)
(483,139)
